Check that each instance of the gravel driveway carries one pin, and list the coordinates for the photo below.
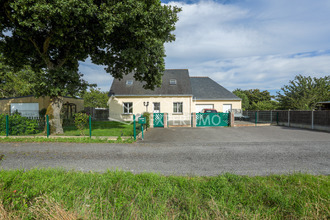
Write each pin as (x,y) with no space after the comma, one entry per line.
(186,151)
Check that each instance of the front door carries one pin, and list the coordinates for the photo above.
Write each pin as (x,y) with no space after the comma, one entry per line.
(156,107)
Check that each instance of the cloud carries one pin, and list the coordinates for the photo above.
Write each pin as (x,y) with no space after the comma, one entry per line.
(252,44)
(263,72)
(95,74)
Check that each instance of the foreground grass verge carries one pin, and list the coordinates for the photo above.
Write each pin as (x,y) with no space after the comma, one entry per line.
(65,140)
(58,194)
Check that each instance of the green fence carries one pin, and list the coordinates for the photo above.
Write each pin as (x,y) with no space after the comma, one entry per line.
(17,125)
(212,119)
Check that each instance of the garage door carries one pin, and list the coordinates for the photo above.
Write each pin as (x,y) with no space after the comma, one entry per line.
(26,109)
(199,108)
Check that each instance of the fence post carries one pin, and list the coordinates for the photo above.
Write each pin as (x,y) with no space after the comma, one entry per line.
(271,117)
(7,125)
(256,118)
(313,119)
(47,124)
(90,127)
(165,120)
(277,117)
(151,120)
(134,127)
(289,118)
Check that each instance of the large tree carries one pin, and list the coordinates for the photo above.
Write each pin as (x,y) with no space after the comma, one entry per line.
(53,36)
(304,92)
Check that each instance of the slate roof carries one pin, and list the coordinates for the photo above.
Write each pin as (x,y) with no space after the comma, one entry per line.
(183,87)
(204,88)
(201,88)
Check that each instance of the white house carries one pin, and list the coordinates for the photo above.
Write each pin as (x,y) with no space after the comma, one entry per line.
(179,96)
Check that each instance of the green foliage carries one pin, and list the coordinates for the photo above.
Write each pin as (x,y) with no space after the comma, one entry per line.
(81,122)
(95,98)
(123,195)
(255,95)
(18,125)
(14,83)
(264,105)
(53,36)
(147,116)
(245,100)
(254,99)
(303,92)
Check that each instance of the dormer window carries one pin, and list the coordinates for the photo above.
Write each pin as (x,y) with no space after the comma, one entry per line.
(172,81)
(129,82)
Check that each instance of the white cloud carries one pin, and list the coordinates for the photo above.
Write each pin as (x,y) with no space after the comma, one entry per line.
(252,44)
(263,72)
(96,74)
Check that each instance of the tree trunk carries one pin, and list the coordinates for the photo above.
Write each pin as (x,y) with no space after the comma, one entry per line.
(54,113)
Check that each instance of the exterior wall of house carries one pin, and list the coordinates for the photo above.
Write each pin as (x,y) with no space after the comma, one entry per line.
(218,104)
(43,102)
(116,108)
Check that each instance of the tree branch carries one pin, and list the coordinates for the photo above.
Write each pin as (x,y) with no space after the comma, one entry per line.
(43,54)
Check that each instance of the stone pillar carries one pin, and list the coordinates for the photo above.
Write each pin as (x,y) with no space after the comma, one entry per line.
(165,120)
(151,120)
(194,120)
(232,119)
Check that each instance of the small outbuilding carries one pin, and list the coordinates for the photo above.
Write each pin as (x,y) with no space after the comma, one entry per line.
(30,106)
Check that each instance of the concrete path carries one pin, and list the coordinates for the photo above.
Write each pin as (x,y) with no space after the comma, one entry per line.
(186,151)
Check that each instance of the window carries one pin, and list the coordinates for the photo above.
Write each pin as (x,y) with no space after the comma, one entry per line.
(129,82)
(172,81)
(156,107)
(128,107)
(177,107)
(25,109)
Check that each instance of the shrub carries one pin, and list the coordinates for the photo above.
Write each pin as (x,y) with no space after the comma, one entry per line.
(18,125)
(81,121)
(147,116)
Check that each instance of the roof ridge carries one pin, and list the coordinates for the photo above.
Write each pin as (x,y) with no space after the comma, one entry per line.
(199,77)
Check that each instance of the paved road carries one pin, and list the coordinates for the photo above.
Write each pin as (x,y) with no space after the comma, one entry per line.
(186,151)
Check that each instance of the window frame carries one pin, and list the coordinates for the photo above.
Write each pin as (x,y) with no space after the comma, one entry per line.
(129,82)
(129,109)
(154,106)
(176,107)
(174,82)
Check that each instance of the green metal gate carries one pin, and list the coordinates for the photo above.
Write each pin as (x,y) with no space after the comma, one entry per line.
(212,119)
(158,120)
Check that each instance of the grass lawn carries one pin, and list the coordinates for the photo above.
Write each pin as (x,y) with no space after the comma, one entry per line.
(58,194)
(101,128)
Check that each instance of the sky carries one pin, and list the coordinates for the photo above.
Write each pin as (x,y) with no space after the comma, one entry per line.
(246,44)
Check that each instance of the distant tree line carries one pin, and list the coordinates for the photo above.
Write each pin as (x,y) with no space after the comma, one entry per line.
(302,93)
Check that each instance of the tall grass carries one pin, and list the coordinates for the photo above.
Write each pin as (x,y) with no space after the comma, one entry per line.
(58,194)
